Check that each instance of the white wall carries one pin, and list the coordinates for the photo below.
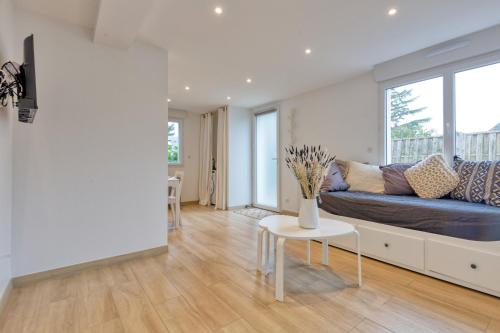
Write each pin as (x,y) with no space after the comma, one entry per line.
(90,174)
(190,154)
(346,118)
(239,157)
(468,46)
(343,117)
(6,118)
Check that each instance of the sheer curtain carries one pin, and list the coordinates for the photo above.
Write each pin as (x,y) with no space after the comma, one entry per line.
(221,164)
(205,159)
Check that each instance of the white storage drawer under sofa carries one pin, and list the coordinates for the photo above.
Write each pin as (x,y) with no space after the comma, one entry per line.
(393,247)
(473,264)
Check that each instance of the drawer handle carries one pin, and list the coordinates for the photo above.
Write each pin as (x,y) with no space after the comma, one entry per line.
(386,244)
(473,266)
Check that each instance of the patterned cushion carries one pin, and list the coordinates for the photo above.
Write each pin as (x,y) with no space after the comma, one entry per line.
(479,181)
(432,178)
(492,196)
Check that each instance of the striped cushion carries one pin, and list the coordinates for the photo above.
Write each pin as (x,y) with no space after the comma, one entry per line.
(479,181)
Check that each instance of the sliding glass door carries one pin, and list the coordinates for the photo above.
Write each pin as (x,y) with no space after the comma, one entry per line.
(266,160)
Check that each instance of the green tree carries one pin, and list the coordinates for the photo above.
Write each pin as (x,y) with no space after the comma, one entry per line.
(173,150)
(173,153)
(400,109)
(171,129)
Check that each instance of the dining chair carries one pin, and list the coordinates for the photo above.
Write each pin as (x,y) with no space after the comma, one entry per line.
(172,196)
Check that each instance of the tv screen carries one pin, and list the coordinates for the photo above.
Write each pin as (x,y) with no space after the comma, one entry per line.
(27,103)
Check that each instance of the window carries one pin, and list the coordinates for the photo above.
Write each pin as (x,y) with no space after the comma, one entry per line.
(453,110)
(478,113)
(415,120)
(174,142)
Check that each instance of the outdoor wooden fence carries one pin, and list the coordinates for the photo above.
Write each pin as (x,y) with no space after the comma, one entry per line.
(470,146)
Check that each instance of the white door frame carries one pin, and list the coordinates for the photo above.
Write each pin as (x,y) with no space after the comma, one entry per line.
(256,112)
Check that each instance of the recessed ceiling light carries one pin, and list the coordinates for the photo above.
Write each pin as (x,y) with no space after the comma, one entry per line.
(218,10)
(392,11)
(249,80)
(169,100)
(228,98)
(308,51)
(187,88)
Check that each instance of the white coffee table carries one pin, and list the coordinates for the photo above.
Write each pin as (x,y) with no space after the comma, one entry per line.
(286,227)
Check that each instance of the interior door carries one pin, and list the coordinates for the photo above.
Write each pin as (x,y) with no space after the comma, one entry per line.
(266,158)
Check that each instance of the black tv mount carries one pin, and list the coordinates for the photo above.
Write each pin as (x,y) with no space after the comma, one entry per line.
(11,83)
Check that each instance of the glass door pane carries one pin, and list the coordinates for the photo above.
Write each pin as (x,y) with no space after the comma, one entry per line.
(266,160)
(477,112)
(414,121)
(174,150)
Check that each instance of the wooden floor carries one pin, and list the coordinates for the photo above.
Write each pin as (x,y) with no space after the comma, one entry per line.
(207,283)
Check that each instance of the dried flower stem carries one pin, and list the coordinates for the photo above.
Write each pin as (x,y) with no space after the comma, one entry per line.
(309,165)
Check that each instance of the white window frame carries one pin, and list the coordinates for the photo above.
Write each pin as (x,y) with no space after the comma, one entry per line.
(448,73)
(180,121)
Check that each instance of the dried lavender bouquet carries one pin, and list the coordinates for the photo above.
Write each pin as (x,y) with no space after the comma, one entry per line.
(309,165)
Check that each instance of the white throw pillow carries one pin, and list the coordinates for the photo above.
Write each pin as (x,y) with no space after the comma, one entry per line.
(364,178)
(432,178)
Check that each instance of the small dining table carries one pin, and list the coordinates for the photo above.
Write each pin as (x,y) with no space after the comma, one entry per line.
(174,182)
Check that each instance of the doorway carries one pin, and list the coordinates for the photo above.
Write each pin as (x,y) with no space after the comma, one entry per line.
(266,160)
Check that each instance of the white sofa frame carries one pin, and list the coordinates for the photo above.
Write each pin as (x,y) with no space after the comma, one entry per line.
(472,264)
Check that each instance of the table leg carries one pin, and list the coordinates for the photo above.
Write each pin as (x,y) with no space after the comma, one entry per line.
(177,207)
(268,249)
(280,268)
(325,251)
(308,250)
(260,234)
(358,247)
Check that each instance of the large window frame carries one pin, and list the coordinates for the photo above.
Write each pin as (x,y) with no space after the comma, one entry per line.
(180,123)
(447,72)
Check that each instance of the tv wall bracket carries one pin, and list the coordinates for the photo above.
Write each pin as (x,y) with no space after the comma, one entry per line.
(11,85)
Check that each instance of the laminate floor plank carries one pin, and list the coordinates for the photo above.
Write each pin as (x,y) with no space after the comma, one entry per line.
(208,283)
(368,326)
(494,327)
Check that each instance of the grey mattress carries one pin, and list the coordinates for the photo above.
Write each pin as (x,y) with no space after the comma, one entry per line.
(438,216)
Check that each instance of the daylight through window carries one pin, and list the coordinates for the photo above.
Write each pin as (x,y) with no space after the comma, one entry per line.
(174,142)
(457,112)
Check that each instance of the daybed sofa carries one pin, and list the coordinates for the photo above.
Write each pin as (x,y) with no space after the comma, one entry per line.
(452,240)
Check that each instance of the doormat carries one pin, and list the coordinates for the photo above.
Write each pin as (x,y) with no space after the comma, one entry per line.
(255,213)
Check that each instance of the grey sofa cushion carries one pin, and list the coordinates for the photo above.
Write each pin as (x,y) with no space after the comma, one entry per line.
(448,217)
(333,180)
(395,182)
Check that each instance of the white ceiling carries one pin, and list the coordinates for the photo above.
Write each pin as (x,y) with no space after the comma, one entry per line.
(265,39)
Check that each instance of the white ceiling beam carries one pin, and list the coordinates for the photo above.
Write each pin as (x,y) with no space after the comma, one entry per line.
(118,22)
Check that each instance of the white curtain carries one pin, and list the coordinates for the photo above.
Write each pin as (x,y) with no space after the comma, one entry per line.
(205,159)
(221,164)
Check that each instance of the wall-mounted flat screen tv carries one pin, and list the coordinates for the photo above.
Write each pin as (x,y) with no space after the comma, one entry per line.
(27,102)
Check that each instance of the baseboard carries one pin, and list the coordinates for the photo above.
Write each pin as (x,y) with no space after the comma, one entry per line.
(189,203)
(68,270)
(5,296)
(289,212)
